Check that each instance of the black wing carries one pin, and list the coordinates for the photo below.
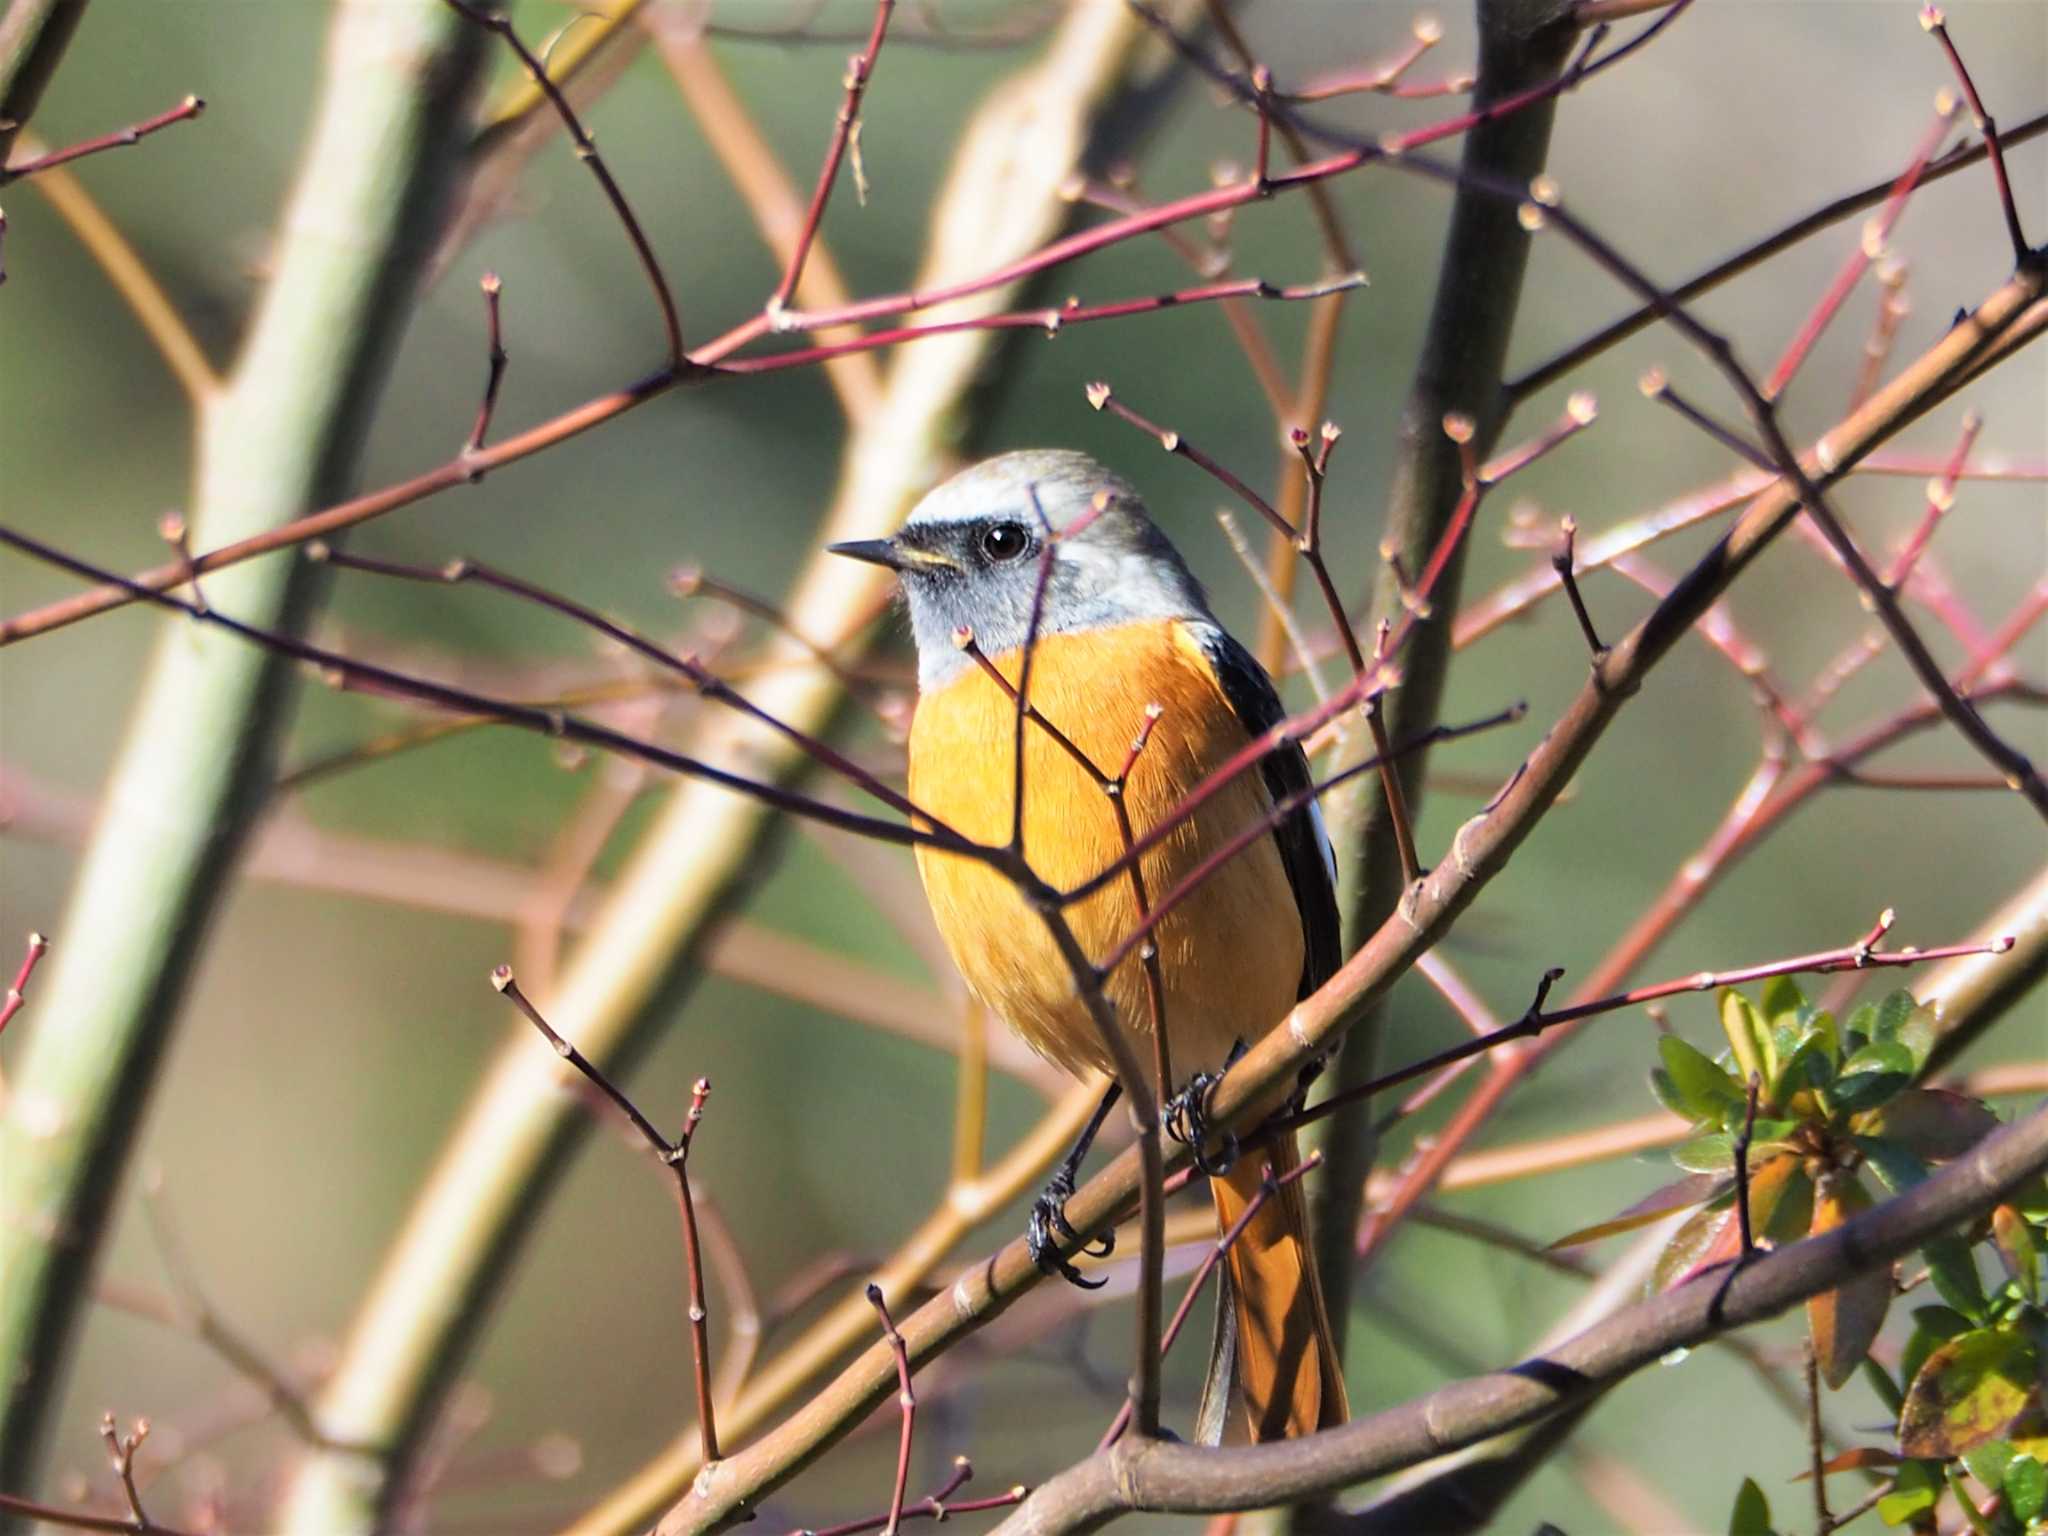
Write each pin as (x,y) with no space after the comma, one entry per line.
(1305,851)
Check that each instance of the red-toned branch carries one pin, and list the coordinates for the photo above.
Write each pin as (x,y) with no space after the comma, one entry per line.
(135,133)
(1867,250)
(491,289)
(906,1399)
(859,70)
(674,1156)
(1932,19)
(1269,1186)
(1861,955)
(586,151)
(17,990)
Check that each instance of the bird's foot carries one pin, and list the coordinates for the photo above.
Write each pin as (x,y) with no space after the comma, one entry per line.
(1186,1120)
(1049,1223)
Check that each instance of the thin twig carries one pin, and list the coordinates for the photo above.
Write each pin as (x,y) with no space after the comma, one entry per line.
(121,138)
(859,70)
(906,1399)
(17,990)
(675,1157)
(1536,1020)
(1561,562)
(491,288)
(1932,19)
(586,151)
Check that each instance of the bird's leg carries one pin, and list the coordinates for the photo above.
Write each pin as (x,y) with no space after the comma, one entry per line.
(1186,1119)
(1049,1210)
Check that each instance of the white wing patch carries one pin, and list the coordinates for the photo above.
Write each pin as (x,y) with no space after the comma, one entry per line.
(1329,852)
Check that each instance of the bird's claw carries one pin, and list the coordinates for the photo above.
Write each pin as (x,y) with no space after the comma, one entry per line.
(1186,1120)
(1049,1217)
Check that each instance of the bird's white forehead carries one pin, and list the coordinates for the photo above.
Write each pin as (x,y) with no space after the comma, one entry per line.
(1057,482)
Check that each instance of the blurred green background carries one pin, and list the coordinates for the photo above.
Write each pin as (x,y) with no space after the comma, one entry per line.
(330,1039)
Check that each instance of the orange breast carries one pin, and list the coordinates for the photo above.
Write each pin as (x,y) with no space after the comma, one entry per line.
(1231,953)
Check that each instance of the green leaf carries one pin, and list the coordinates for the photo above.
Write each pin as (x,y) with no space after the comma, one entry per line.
(1932,1327)
(1711,1154)
(1700,1240)
(1880,1381)
(1845,1320)
(2019,1250)
(2026,1488)
(1901,1020)
(1752,1513)
(1933,1123)
(1953,1269)
(1652,1207)
(1749,1037)
(1782,1003)
(1915,1490)
(1987,1462)
(1700,1089)
(1971,1390)
(1895,1166)
(1809,1067)
(1872,1075)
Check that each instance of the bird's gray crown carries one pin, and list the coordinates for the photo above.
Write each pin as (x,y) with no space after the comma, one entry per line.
(969,558)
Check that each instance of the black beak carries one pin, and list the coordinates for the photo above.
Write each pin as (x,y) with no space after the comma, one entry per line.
(874,551)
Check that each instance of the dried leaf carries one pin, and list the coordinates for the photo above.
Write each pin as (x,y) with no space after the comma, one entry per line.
(1845,1320)
(1659,1203)
(2019,1250)
(1972,1389)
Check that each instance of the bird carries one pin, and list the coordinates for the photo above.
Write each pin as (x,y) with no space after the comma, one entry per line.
(1124,631)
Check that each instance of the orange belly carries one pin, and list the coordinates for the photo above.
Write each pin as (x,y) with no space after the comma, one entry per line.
(1230,953)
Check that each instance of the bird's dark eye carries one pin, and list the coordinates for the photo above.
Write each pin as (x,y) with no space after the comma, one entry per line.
(1004,541)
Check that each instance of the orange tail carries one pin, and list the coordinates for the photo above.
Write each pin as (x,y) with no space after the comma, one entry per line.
(1287,1368)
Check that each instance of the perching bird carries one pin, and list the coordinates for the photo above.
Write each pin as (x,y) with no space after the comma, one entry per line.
(1124,627)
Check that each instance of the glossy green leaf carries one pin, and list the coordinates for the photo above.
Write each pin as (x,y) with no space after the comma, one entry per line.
(1915,1490)
(1933,1123)
(1872,1075)
(1701,1240)
(1972,1389)
(1879,1380)
(1701,1089)
(1845,1320)
(1748,1037)
(1895,1166)
(1987,1462)
(2026,1488)
(1932,1327)
(1712,1154)
(1953,1269)
(1782,1003)
(1652,1207)
(1901,1020)
(1752,1513)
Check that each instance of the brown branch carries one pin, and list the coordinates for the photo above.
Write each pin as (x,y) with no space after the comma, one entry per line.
(1163,1476)
(80,1520)
(491,289)
(675,1156)
(121,138)
(859,70)
(1932,19)
(586,151)
(906,1399)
